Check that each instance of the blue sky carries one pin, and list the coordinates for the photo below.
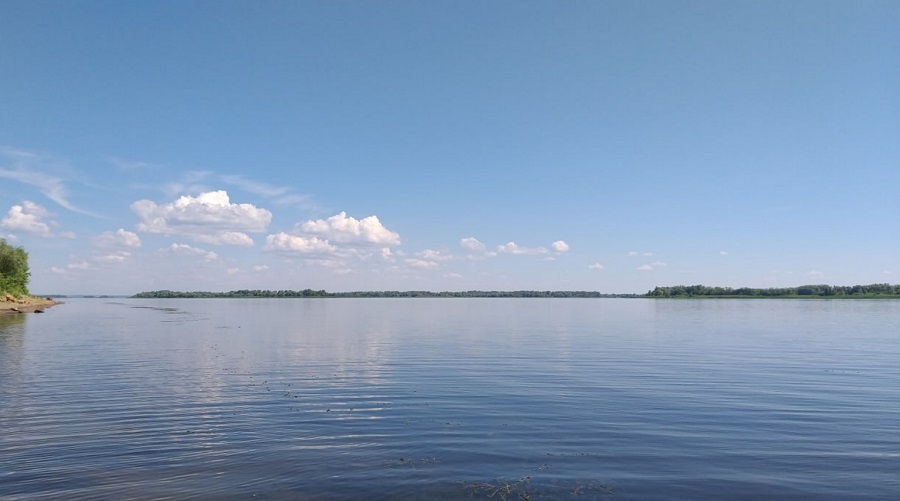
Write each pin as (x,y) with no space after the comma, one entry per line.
(611,146)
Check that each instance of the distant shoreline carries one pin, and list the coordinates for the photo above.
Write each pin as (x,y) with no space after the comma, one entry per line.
(308,293)
(871,291)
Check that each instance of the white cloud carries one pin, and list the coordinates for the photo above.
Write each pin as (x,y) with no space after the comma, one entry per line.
(118,238)
(632,253)
(233,271)
(226,238)
(114,257)
(455,276)
(81,265)
(187,250)
(596,266)
(472,244)
(343,229)
(29,218)
(513,248)
(559,246)
(477,249)
(209,217)
(723,253)
(652,266)
(647,254)
(292,243)
(434,255)
(386,254)
(420,263)
(260,268)
(816,274)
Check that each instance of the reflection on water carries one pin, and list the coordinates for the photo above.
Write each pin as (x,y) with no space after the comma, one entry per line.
(451,399)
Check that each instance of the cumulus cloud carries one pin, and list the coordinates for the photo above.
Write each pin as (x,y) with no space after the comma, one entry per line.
(596,266)
(187,250)
(209,217)
(652,266)
(420,263)
(293,243)
(632,253)
(260,268)
(559,246)
(472,244)
(28,218)
(341,228)
(513,248)
(435,255)
(118,238)
(113,257)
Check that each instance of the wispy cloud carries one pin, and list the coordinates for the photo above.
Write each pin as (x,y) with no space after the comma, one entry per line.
(596,267)
(281,195)
(31,168)
(652,266)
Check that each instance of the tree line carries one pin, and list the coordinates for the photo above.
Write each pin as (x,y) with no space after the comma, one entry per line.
(817,290)
(372,294)
(14,272)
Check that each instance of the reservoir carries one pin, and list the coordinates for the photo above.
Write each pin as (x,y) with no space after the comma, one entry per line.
(476,398)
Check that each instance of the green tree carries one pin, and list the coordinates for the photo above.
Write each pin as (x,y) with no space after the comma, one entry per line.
(14,272)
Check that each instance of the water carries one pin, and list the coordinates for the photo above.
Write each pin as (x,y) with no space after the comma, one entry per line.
(333,399)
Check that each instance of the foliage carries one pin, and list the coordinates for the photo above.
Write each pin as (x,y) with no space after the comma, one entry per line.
(818,290)
(374,294)
(14,272)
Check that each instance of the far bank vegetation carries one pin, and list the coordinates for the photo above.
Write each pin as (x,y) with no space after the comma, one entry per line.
(803,291)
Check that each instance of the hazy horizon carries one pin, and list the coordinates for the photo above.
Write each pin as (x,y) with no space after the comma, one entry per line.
(450,146)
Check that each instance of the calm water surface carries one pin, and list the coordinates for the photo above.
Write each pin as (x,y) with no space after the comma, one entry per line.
(451,399)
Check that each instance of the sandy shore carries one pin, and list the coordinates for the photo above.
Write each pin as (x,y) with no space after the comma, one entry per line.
(10,305)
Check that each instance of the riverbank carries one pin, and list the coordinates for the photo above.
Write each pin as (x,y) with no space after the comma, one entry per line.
(10,305)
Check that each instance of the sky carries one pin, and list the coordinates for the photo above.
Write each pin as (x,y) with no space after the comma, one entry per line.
(611,146)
